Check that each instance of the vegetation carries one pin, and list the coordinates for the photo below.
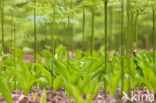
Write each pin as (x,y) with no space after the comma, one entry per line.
(105,82)
(82,46)
(2,23)
(35,32)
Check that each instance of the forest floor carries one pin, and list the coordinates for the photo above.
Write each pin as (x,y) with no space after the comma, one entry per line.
(36,96)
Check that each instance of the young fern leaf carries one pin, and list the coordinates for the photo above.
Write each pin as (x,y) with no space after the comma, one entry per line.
(5,88)
(24,76)
(94,66)
(149,75)
(91,72)
(71,81)
(72,89)
(114,81)
(89,77)
(45,73)
(61,69)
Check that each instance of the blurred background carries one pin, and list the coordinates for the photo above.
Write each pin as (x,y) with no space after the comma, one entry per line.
(20,14)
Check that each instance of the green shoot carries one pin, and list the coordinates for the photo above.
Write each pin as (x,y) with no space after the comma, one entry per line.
(83,39)
(122,45)
(2,24)
(105,19)
(35,39)
(69,32)
(153,9)
(93,27)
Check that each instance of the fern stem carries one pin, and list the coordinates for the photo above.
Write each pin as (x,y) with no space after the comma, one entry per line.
(153,9)
(53,40)
(84,23)
(136,31)
(53,36)
(122,46)
(105,28)
(35,31)
(93,28)
(69,32)
(65,27)
(132,30)
(14,32)
(110,27)
(129,40)
(2,25)
(45,30)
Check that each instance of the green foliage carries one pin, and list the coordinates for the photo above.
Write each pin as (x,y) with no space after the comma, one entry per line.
(5,87)
(145,62)
(44,76)
(75,85)
(83,74)
(113,81)
(24,76)
(42,99)
(83,77)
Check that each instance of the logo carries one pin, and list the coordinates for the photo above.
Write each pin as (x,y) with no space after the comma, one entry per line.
(138,97)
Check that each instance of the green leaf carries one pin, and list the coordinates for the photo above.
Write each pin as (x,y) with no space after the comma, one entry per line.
(39,58)
(5,88)
(24,76)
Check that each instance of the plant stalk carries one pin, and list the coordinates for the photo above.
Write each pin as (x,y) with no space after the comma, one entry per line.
(2,25)
(106,49)
(110,27)
(53,36)
(65,27)
(129,41)
(35,32)
(153,9)
(93,28)
(15,56)
(12,30)
(69,32)
(84,23)
(136,31)
(53,40)
(122,46)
